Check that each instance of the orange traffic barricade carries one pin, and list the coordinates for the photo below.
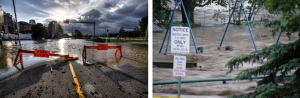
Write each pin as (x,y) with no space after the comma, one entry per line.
(38,53)
(101,47)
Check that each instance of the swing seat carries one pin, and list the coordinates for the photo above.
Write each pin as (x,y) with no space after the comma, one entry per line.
(200,49)
(227,48)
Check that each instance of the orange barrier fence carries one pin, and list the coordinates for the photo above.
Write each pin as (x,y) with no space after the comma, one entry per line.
(101,47)
(38,53)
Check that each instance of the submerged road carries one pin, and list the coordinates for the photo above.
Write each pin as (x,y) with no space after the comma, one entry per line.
(69,79)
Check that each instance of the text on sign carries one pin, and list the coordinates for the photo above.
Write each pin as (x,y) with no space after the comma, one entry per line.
(41,53)
(102,47)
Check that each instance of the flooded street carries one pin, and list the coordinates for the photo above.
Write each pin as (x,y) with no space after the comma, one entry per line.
(102,73)
(133,62)
(211,63)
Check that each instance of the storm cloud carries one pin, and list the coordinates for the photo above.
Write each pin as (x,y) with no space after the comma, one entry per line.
(92,13)
(112,14)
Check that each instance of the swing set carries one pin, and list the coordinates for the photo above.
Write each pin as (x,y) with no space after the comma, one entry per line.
(171,24)
(201,48)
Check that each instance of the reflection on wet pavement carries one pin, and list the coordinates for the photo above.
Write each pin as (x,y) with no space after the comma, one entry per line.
(135,58)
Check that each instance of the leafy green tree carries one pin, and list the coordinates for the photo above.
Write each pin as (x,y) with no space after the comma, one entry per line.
(38,31)
(143,24)
(161,12)
(137,32)
(289,22)
(122,32)
(78,34)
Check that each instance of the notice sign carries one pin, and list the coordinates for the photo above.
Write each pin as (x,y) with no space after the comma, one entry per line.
(179,65)
(102,46)
(41,53)
(180,40)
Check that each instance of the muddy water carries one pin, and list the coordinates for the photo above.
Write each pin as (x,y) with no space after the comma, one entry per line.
(212,61)
(133,62)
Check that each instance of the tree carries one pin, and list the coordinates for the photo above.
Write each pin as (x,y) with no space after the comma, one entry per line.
(289,22)
(38,31)
(137,32)
(77,34)
(281,59)
(161,11)
(143,24)
(121,32)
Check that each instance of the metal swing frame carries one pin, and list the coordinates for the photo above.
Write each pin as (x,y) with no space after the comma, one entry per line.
(171,24)
(247,23)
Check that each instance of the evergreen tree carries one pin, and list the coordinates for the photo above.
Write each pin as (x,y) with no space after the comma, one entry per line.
(281,58)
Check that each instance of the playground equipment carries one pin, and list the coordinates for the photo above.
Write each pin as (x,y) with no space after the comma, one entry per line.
(171,24)
(279,37)
(229,47)
(202,43)
(38,53)
(100,47)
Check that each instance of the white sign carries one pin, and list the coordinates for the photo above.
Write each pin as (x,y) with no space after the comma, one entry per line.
(179,65)
(180,40)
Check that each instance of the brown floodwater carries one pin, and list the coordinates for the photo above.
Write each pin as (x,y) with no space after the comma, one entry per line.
(212,60)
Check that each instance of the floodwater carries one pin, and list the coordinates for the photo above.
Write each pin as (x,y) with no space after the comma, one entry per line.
(133,62)
(212,60)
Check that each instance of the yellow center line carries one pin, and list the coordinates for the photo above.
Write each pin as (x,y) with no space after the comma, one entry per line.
(76,81)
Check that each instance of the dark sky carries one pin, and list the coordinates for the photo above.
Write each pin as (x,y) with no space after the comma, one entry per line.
(110,13)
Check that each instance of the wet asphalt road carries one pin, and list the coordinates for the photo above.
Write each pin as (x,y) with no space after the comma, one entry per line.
(96,81)
(107,76)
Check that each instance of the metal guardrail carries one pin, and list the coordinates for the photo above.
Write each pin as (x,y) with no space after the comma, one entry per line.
(210,79)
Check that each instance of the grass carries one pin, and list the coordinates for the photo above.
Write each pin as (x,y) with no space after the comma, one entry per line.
(89,39)
(117,40)
(141,45)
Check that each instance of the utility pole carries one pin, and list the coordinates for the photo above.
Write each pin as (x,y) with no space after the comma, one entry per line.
(72,32)
(106,33)
(94,33)
(17,23)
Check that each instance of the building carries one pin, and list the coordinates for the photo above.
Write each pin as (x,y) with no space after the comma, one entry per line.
(1,19)
(9,23)
(55,29)
(25,27)
(7,20)
(32,22)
